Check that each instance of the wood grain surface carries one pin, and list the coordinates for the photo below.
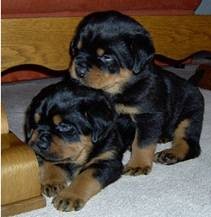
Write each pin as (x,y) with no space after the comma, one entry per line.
(46,41)
(21,188)
(19,166)
(23,206)
(4,120)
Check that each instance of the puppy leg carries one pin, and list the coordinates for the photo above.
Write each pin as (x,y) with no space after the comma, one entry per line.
(185,143)
(89,182)
(53,179)
(147,135)
(141,159)
(78,193)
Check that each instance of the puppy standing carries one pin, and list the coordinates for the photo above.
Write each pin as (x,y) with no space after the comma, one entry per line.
(72,130)
(113,52)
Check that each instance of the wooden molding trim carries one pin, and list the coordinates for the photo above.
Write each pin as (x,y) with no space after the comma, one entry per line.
(45,41)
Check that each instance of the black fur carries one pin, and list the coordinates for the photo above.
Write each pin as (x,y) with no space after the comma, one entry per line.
(84,112)
(114,32)
(164,99)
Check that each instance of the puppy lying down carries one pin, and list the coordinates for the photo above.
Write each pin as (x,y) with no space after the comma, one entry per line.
(74,131)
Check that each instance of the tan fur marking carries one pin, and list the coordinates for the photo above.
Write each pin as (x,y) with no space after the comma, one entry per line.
(100,51)
(141,157)
(103,156)
(77,152)
(72,70)
(87,147)
(79,45)
(180,147)
(57,119)
(34,137)
(52,174)
(124,109)
(181,128)
(37,117)
(83,187)
(111,83)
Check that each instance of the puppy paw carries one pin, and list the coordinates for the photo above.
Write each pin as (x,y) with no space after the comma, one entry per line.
(135,171)
(166,157)
(68,202)
(51,190)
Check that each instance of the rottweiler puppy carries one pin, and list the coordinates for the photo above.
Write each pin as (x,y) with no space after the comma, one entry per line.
(73,130)
(113,52)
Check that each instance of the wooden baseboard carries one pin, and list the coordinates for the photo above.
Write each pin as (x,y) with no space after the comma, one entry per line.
(23,206)
(46,41)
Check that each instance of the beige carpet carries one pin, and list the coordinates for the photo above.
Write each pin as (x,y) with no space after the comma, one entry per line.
(181,190)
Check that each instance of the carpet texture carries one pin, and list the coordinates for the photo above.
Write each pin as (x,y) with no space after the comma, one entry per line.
(180,190)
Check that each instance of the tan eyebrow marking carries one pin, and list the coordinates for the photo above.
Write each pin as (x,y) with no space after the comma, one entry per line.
(57,119)
(100,51)
(79,45)
(37,117)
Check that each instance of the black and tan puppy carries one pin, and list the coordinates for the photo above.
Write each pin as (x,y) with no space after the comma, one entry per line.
(112,52)
(73,131)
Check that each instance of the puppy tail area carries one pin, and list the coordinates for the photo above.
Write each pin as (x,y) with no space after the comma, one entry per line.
(185,143)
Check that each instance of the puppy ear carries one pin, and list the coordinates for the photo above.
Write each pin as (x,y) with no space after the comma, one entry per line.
(75,44)
(143,50)
(101,117)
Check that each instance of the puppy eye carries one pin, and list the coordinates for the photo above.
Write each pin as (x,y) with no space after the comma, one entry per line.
(106,58)
(64,127)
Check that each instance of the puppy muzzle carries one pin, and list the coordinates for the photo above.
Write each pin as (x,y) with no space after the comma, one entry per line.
(81,70)
(81,64)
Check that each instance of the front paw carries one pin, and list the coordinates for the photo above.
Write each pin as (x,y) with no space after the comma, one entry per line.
(50,190)
(68,202)
(136,170)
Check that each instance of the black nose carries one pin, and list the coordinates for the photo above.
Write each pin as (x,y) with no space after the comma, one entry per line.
(81,64)
(43,142)
(42,145)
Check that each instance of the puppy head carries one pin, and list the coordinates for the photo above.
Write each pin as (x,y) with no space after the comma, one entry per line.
(65,122)
(109,49)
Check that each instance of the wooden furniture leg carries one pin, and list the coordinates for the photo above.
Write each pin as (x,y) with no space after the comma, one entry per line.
(21,189)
